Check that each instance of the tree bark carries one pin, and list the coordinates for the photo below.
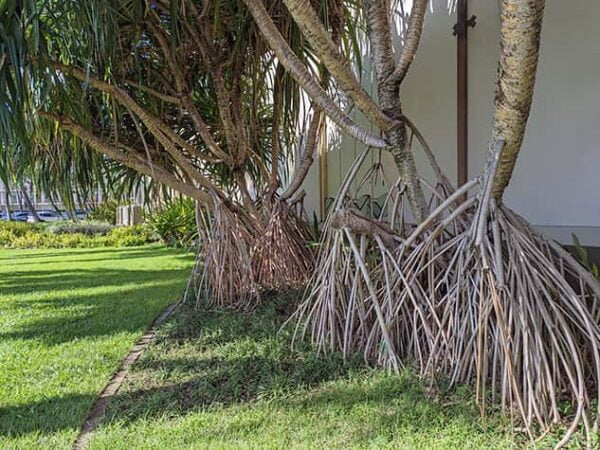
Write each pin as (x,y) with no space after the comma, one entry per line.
(165,135)
(324,46)
(379,34)
(521,26)
(361,224)
(307,158)
(303,77)
(131,160)
(411,42)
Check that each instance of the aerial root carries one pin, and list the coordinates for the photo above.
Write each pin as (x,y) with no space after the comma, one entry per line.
(225,278)
(241,256)
(281,258)
(474,294)
(508,310)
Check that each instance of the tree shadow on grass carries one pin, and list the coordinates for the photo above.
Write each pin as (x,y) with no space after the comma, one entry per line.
(206,359)
(126,300)
(219,359)
(51,309)
(54,281)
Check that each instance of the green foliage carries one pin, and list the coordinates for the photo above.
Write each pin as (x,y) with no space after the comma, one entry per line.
(19,228)
(176,223)
(104,212)
(120,43)
(88,227)
(24,235)
(584,259)
(129,236)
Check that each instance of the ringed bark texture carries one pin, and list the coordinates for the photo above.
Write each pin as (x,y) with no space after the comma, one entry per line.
(314,31)
(521,26)
(300,73)
(377,14)
(413,37)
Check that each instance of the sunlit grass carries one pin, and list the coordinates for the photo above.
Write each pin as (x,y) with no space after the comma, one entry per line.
(210,380)
(67,318)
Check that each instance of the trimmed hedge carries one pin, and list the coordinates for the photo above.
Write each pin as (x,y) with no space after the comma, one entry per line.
(26,235)
(89,228)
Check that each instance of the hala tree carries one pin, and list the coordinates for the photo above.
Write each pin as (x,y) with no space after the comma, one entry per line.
(185,93)
(201,96)
(472,291)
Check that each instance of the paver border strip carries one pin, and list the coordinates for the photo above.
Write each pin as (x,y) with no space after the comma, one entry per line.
(96,412)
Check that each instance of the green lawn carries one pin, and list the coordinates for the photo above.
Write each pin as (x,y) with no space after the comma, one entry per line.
(228,380)
(67,318)
(210,380)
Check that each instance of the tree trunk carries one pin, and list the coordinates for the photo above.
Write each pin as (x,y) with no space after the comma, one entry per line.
(300,73)
(327,50)
(7,202)
(379,34)
(521,26)
(29,203)
(389,99)
(411,42)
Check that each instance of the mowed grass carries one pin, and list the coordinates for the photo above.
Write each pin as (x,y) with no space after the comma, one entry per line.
(229,380)
(67,318)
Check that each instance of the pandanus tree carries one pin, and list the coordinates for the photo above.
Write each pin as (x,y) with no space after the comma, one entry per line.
(470,291)
(201,96)
(187,94)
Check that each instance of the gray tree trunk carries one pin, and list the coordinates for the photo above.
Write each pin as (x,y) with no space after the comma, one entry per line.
(7,203)
(29,203)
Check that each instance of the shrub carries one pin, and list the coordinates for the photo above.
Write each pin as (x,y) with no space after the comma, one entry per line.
(129,236)
(25,235)
(89,228)
(176,223)
(584,259)
(19,228)
(104,212)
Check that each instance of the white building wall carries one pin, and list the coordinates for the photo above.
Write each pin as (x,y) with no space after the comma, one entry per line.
(556,184)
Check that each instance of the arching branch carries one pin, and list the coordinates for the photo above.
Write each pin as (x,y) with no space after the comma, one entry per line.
(307,158)
(167,137)
(302,76)
(128,159)
(411,43)
(378,14)
(312,28)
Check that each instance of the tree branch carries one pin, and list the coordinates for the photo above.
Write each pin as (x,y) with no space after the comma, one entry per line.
(159,95)
(361,224)
(380,37)
(411,43)
(188,103)
(312,28)
(162,132)
(302,76)
(275,144)
(127,159)
(182,87)
(307,158)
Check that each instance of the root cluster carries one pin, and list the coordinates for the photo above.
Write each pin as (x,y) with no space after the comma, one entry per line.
(242,256)
(474,294)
